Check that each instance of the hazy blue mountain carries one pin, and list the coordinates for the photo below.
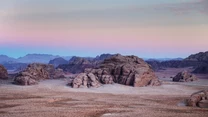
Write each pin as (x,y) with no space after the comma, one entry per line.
(39,58)
(163,59)
(5,58)
(58,61)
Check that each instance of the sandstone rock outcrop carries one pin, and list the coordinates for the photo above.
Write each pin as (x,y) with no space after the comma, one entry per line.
(126,70)
(36,72)
(198,99)
(184,77)
(85,81)
(3,72)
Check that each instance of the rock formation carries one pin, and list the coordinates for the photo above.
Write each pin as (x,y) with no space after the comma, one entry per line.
(201,56)
(127,70)
(85,80)
(58,61)
(3,72)
(184,77)
(198,61)
(57,73)
(77,65)
(199,99)
(36,72)
(102,57)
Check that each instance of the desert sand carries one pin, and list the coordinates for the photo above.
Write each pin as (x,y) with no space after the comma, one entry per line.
(53,98)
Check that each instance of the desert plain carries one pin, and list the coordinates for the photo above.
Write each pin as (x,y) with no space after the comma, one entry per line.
(53,98)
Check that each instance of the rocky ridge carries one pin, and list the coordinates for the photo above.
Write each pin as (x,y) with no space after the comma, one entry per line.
(36,72)
(126,70)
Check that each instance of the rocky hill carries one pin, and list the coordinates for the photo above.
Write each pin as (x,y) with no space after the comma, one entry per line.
(198,61)
(36,72)
(200,57)
(78,64)
(126,70)
(58,61)
(102,57)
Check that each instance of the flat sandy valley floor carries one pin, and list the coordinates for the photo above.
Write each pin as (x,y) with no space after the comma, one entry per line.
(52,98)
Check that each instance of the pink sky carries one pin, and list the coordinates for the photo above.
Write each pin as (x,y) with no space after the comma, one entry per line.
(174,29)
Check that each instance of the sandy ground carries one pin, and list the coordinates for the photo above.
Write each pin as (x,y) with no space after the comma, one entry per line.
(52,98)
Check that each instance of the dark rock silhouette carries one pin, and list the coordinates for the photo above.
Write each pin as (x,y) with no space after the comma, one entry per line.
(102,57)
(200,57)
(202,69)
(198,61)
(184,77)
(58,61)
(3,72)
(78,64)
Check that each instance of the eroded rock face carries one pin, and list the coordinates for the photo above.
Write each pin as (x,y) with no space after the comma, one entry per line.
(126,70)
(85,80)
(36,72)
(3,72)
(184,77)
(198,99)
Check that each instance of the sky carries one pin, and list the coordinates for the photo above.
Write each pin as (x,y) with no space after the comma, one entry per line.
(146,28)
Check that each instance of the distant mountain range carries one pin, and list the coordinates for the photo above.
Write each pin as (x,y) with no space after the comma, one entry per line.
(162,59)
(199,61)
(20,63)
(4,58)
(31,58)
(45,58)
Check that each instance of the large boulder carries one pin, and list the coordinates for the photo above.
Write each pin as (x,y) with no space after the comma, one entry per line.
(36,72)
(3,72)
(184,77)
(198,99)
(126,70)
